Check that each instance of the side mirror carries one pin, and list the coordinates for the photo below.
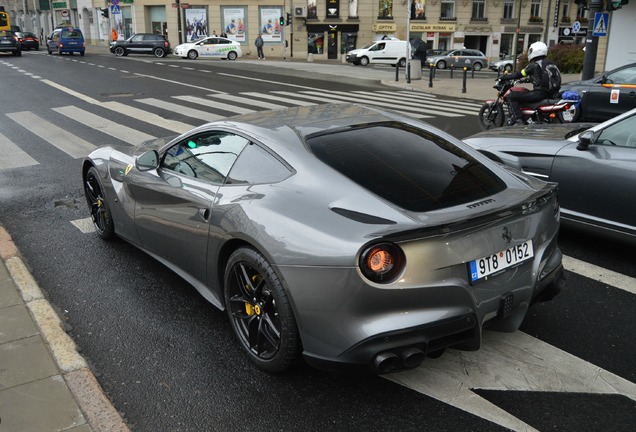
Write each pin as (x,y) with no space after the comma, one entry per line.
(148,161)
(585,139)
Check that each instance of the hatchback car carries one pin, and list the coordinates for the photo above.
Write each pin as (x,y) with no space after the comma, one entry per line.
(157,45)
(459,58)
(605,96)
(338,233)
(9,42)
(594,165)
(210,47)
(66,40)
(29,40)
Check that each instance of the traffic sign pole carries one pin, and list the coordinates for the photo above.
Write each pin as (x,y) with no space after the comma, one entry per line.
(591,43)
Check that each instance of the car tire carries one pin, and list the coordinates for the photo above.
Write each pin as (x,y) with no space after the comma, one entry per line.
(37,48)
(82,53)
(49,51)
(441,64)
(477,66)
(232,55)
(364,61)
(59,52)
(159,52)
(120,51)
(508,68)
(260,311)
(193,54)
(402,62)
(98,205)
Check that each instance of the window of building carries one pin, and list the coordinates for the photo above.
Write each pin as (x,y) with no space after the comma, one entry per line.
(448,10)
(417,10)
(385,9)
(479,10)
(509,9)
(535,8)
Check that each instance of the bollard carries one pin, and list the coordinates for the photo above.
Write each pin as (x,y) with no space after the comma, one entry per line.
(430,74)
(397,73)
(408,72)
(464,85)
(472,72)
(452,68)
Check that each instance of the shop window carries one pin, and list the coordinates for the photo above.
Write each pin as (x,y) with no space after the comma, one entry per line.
(349,41)
(385,9)
(315,42)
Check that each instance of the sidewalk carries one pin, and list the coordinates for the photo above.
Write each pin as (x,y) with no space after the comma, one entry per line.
(45,384)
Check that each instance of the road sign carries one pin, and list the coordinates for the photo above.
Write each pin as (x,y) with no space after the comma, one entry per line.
(576,27)
(115,9)
(600,24)
(64,13)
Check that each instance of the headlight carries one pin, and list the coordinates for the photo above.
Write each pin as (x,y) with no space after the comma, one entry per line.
(382,262)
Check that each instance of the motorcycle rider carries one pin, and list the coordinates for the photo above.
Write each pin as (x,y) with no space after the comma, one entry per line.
(534,71)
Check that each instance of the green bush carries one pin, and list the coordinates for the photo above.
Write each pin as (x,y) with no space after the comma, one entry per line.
(568,57)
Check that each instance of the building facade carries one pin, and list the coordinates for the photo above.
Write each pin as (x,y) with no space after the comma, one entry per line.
(327,29)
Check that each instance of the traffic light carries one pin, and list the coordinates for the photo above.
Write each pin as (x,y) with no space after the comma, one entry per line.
(281,21)
(289,19)
(613,5)
(104,12)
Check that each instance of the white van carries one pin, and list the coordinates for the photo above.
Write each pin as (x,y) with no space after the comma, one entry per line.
(386,51)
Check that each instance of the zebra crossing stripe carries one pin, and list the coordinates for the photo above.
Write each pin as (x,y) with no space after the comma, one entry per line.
(433,101)
(101,124)
(415,109)
(427,98)
(13,156)
(70,144)
(278,98)
(440,105)
(214,104)
(313,98)
(148,117)
(180,109)
(247,101)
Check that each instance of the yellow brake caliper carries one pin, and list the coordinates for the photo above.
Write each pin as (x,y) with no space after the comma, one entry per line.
(252,309)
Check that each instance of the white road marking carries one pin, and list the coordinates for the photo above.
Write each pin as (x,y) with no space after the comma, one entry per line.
(13,156)
(278,98)
(600,274)
(247,101)
(70,144)
(180,109)
(85,225)
(215,104)
(508,361)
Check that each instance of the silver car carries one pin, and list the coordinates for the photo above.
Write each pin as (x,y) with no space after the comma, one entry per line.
(459,58)
(594,165)
(340,234)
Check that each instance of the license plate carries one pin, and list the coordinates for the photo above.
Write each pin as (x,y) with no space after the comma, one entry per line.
(567,116)
(495,263)
(5,42)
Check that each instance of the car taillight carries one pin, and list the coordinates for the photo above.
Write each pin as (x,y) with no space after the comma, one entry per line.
(382,262)
(166,44)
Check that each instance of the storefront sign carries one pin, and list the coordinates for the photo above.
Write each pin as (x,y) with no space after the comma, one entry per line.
(333,8)
(59,5)
(417,27)
(384,28)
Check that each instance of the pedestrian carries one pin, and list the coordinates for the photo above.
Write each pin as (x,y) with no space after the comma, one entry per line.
(534,71)
(259,47)
(113,34)
(41,36)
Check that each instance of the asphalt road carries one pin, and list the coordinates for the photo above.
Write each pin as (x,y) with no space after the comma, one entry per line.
(169,361)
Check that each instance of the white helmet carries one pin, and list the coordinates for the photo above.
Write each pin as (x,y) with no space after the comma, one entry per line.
(537,49)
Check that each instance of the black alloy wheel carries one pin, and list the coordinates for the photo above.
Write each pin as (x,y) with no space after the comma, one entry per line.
(120,51)
(100,213)
(260,312)
(159,52)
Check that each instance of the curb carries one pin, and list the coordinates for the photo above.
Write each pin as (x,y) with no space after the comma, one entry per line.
(99,412)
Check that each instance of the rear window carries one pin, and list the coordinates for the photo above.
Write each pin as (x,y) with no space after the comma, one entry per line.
(410,167)
(71,34)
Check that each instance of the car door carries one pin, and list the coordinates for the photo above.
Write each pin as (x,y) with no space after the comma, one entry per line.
(615,93)
(173,204)
(136,44)
(210,47)
(599,184)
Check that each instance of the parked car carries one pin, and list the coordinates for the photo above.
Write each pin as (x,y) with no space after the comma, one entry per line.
(420,51)
(605,96)
(594,165)
(320,240)
(9,42)
(459,58)
(66,40)
(385,51)
(29,40)
(210,47)
(142,43)
(503,65)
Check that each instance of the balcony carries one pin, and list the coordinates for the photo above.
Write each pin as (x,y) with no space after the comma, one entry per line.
(444,18)
(535,19)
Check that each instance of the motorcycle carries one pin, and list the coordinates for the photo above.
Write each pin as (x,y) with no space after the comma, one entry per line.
(494,113)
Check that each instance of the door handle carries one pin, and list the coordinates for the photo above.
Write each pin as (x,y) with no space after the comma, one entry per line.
(204,213)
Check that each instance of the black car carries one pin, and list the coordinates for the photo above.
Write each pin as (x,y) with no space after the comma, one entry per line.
(28,40)
(142,43)
(9,42)
(607,95)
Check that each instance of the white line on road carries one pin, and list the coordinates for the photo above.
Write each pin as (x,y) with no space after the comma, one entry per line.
(600,274)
